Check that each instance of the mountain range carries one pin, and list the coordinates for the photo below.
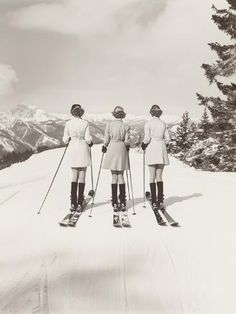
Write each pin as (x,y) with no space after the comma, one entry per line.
(29,129)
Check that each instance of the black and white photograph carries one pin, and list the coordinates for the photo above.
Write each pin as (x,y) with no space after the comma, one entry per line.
(117,156)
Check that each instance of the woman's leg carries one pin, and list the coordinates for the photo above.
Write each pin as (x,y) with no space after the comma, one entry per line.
(122,190)
(75,174)
(159,172)
(82,174)
(74,187)
(114,186)
(120,176)
(152,179)
(152,173)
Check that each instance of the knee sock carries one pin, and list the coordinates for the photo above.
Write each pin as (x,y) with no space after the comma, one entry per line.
(160,191)
(122,193)
(114,194)
(73,193)
(153,192)
(81,193)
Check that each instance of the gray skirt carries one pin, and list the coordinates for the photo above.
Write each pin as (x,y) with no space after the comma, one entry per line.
(116,157)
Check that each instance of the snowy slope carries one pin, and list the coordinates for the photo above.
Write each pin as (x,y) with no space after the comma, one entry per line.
(98,269)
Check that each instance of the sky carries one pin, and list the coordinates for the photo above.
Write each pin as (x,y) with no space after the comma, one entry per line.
(134,53)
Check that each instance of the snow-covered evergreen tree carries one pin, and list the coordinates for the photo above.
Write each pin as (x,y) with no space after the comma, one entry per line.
(205,125)
(183,133)
(223,110)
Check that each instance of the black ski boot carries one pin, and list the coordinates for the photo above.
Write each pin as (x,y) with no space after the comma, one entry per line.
(153,195)
(122,197)
(114,187)
(73,196)
(81,195)
(124,214)
(160,198)
(159,219)
(116,217)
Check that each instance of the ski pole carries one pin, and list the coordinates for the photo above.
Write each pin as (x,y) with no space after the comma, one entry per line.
(92,174)
(127,179)
(91,168)
(144,175)
(99,172)
(39,211)
(131,185)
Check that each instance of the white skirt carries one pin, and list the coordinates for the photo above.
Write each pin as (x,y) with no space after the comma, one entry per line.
(156,153)
(79,153)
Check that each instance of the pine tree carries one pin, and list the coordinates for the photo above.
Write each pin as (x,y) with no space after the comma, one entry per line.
(223,111)
(205,124)
(183,133)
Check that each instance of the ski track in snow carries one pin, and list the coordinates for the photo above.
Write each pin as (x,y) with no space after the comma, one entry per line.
(95,268)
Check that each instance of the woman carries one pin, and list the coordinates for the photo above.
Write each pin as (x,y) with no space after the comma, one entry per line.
(116,146)
(77,136)
(156,154)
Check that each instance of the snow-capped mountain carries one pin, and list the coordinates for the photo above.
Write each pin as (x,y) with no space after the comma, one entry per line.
(26,128)
(30,113)
(30,126)
(6,120)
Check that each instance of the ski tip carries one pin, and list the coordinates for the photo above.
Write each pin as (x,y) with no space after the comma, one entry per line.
(62,225)
(163,224)
(175,224)
(147,194)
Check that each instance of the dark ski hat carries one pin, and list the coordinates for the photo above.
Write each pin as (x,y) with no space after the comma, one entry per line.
(77,110)
(155,111)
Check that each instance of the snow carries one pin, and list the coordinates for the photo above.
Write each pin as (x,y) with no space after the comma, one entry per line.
(96,268)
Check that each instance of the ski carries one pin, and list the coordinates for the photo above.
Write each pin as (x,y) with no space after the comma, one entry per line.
(116,220)
(168,217)
(71,218)
(75,217)
(163,211)
(159,219)
(65,220)
(125,219)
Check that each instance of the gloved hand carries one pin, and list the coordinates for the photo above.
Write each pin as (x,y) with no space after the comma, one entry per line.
(104,149)
(144,146)
(91,144)
(127,147)
(69,139)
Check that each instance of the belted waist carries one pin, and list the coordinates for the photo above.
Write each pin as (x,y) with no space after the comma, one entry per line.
(77,138)
(116,141)
(157,139)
